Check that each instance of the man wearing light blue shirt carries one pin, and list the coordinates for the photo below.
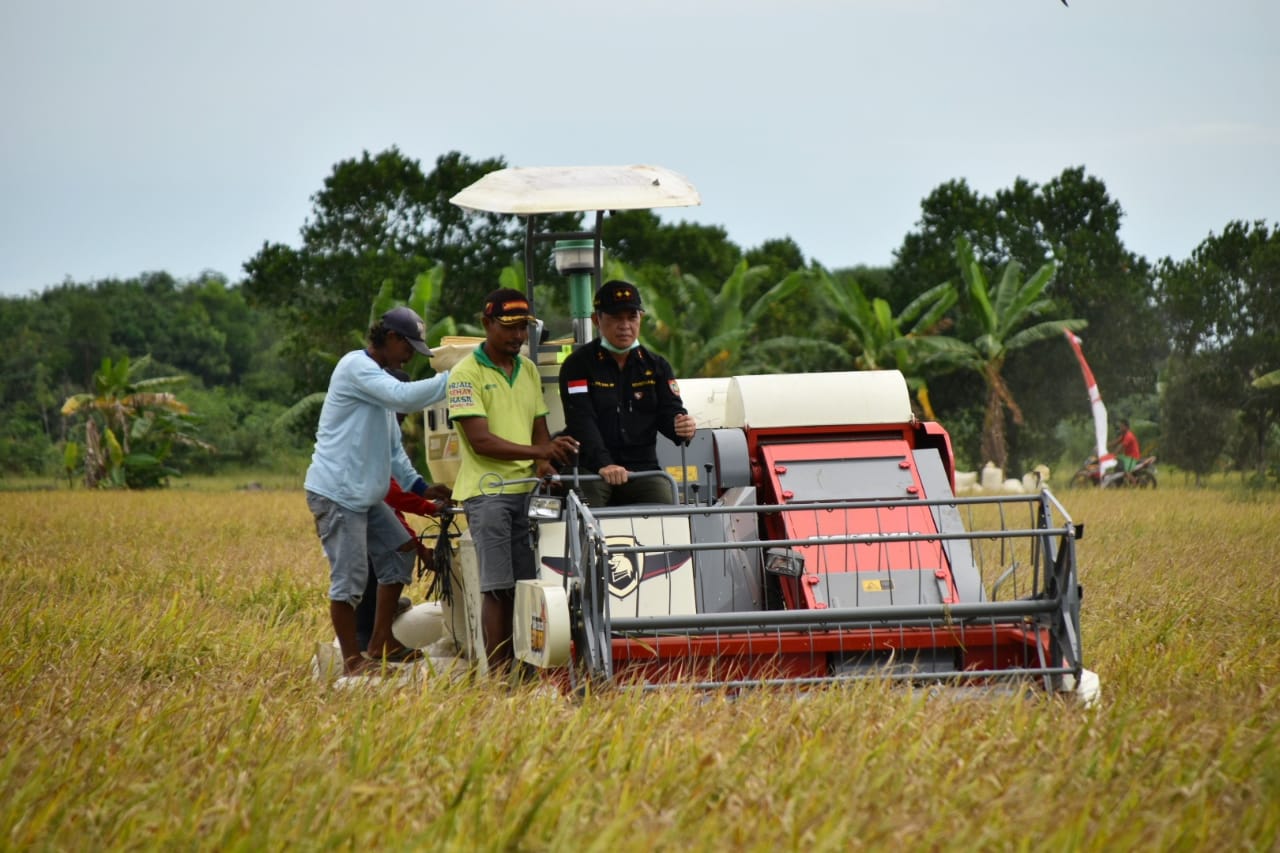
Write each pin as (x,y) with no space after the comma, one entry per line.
(356,454)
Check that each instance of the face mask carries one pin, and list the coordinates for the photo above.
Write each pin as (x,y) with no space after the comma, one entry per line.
(618,350)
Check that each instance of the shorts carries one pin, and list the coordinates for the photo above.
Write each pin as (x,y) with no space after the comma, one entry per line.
(355,540)
(500,529)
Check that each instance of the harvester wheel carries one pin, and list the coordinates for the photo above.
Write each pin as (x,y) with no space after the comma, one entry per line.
(1080,480)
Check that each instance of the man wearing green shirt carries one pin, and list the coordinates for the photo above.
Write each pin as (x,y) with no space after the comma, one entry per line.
(495,398)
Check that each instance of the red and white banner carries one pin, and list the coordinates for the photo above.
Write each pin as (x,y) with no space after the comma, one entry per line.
(1106,460)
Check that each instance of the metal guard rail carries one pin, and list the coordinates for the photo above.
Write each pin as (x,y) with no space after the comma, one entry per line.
(1054,606)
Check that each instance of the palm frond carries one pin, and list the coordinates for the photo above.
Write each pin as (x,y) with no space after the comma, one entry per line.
(300,411)
(1043,332)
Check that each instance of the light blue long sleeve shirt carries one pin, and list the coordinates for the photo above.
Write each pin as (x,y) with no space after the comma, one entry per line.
(358,440)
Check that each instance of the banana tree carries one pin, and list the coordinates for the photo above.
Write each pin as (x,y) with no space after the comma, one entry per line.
(888,342)
(1004,325)
(701,331)
(130,427)
(425,298)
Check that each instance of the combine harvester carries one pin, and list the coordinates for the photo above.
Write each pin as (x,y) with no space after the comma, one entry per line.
(816,536)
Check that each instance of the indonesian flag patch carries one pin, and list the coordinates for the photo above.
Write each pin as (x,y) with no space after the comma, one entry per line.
(577,386)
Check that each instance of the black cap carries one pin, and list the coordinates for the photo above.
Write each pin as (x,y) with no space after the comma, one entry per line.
(614,297)
(406,323)
(509,307)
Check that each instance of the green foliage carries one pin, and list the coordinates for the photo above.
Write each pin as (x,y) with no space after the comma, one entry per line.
(377,224)
(1227,292)
(426,297)
(202,329)
(382,232)
(639,239)
(24,447)
(777,255)
(793,354)
(72,459)
(1074,223)
(131,426)
(888,342)
(1223,305)
(1000,322)
(299,418)
(1195,411)
(56,341)
(237,431)
(704,332)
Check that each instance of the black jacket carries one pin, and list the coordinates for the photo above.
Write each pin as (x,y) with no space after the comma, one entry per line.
(616,414)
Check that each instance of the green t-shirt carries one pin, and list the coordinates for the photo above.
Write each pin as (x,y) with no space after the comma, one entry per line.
(478,388)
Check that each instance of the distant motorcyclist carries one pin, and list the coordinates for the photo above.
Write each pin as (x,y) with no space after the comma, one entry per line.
(1128,452)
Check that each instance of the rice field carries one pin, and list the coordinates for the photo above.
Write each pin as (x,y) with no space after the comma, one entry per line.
(157,694)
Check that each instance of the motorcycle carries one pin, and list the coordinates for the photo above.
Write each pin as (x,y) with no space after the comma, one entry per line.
(1143,475)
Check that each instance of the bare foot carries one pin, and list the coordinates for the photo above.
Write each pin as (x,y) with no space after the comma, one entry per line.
(361,665)
(394,653)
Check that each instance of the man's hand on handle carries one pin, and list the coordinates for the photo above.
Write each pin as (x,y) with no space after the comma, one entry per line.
(614,475)
(562,449)
(685,426)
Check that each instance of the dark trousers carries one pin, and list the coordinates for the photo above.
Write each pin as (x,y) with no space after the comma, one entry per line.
(637,490)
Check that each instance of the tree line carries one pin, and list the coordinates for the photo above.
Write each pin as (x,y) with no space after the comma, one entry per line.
(971,310)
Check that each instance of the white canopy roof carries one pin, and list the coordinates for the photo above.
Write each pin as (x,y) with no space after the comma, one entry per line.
(565,189)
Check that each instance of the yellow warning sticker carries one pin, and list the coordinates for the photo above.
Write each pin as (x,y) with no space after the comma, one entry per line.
(690,473)
(877,585)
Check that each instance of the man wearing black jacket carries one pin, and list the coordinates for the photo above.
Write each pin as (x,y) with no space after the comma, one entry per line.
(617,397)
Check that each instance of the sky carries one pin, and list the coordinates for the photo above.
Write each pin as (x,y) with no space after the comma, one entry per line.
(146,135)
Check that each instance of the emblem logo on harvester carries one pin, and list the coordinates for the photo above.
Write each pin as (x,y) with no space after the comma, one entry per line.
(624,573)
(627,571)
